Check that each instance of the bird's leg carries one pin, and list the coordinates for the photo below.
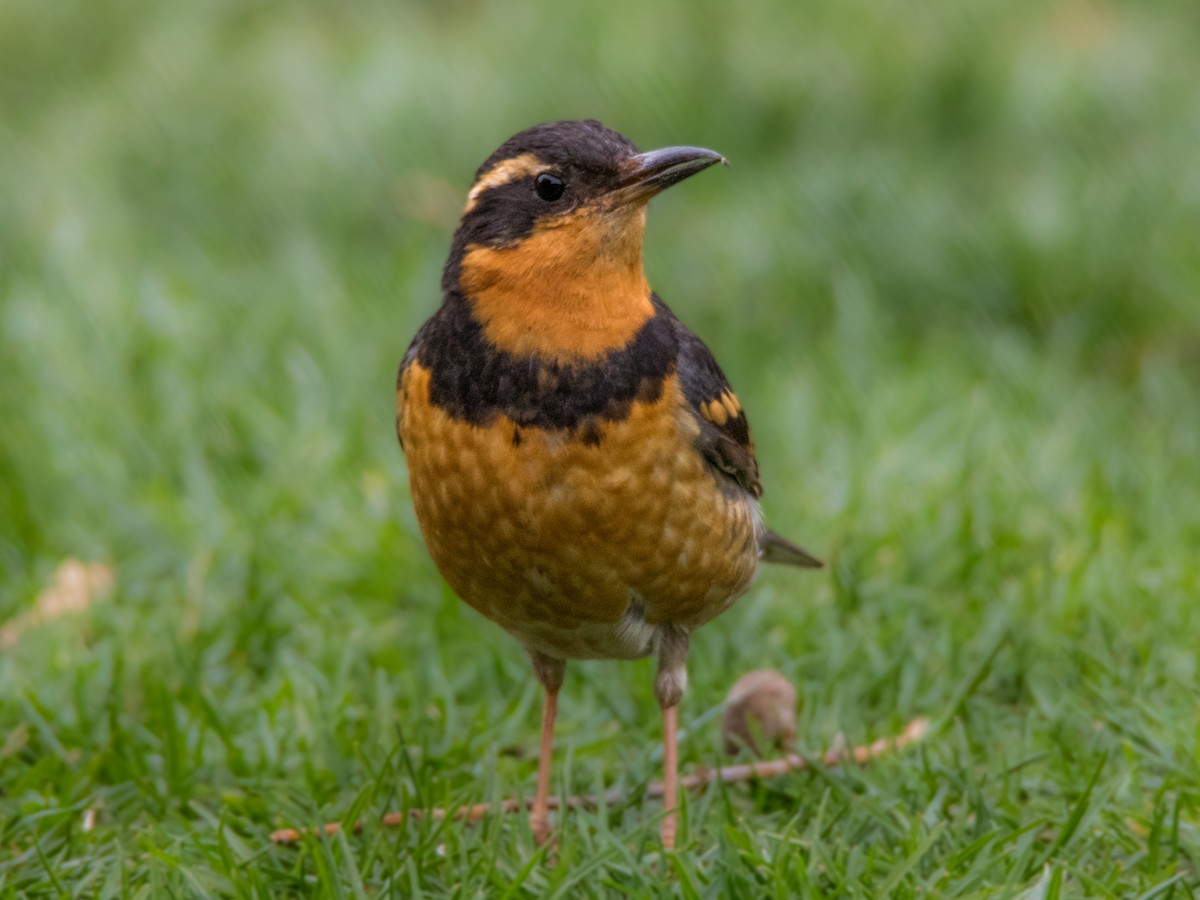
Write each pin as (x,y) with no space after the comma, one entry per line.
(549,672)
(669,685)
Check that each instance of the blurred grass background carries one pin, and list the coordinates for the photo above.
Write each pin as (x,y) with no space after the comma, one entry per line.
(953,273)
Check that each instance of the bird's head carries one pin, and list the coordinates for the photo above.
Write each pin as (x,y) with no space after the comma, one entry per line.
(549,249)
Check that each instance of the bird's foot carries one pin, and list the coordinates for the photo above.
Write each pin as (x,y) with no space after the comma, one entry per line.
(540,826)
(668,831)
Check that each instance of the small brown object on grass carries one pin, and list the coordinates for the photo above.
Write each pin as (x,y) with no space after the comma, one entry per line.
(760,713)
(72,588)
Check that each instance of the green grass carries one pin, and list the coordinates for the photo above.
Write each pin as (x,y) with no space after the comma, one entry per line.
(952,272)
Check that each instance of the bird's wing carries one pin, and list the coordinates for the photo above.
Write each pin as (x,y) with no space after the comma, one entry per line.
(724,432)
(725,440)
(409,356)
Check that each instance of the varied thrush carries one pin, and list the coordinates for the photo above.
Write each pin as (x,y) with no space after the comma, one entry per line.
(581,470)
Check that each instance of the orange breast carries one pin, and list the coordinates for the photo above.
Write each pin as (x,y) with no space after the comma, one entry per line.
(575,546)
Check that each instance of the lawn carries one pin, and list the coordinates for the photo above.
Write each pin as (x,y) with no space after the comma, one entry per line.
(953,273)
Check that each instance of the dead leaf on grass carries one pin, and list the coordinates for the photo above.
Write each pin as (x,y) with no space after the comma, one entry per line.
(72,589)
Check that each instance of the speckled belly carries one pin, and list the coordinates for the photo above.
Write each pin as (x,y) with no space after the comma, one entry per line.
(579,548)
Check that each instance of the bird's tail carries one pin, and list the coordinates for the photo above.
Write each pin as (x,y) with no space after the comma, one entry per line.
(776,549)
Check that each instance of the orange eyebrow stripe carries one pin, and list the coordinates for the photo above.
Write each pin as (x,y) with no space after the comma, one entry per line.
(502,173)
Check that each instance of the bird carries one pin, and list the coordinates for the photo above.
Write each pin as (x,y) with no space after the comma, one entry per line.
(581,471)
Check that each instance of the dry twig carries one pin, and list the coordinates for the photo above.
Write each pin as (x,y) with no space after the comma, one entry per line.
(770,768)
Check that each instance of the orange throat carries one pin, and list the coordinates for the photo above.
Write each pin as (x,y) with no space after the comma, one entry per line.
(571,291)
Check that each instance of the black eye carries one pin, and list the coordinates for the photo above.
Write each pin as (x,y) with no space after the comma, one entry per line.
(549,187)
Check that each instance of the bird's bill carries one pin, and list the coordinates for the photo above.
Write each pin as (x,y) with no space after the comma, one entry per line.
(647,174)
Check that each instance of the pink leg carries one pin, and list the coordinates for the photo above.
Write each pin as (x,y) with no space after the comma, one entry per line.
(549,672)
(670,768)
(539,816)
(669,685)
